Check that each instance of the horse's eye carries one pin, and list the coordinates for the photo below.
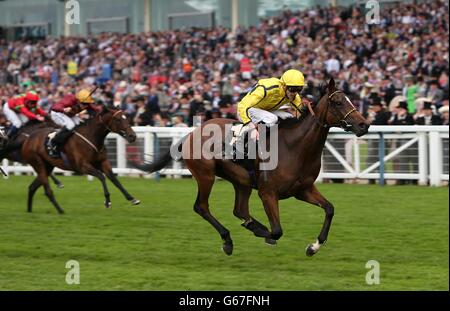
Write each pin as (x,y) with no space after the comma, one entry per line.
(339,103)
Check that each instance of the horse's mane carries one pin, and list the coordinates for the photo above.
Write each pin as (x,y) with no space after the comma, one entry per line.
(323,89)
(290,122)
(34,122)
(88,122)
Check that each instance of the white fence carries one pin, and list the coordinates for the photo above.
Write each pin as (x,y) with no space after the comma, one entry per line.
(413,153)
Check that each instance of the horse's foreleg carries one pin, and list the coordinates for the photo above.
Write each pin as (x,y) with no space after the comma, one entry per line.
(270,202)
(107,170)
(313,196)
(90,170)
(241,211)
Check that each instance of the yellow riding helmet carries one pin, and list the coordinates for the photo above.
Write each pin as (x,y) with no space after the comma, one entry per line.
(84,96)
(293,77)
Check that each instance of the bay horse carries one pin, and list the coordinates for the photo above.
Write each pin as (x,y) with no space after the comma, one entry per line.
(300,145)
(12,149)
(84,152)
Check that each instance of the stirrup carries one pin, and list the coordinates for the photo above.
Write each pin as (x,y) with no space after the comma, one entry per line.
(52,151)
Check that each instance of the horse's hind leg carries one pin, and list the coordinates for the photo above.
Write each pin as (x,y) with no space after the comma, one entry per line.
(51,197)
(201,207)
(107,170)
(241,211)
(58,183)
(48,190)
(42,179)
(31,191)
(313,196)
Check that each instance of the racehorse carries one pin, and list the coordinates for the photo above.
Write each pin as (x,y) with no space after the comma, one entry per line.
(300,145)
(12,149)
(84,152)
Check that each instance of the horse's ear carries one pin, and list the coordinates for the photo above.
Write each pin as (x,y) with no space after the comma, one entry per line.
(331,85)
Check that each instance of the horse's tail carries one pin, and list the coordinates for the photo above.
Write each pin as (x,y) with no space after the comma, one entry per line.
(163,161)
(10,147)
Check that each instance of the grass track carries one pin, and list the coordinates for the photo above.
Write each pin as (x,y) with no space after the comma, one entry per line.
(163,245)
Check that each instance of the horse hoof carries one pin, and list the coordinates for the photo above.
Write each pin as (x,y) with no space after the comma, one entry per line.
(271,242)
(135,202)
(108,204)
(310,250)
(227,249)
(60,186)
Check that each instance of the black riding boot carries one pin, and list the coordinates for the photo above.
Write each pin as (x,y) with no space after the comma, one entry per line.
(58,142)
(12,131)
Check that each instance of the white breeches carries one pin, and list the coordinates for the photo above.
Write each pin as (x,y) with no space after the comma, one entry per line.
(64,120)
(16,119)
(268,117)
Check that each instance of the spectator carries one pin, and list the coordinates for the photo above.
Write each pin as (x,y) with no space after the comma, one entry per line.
(444,115)
(377,116)
(427,116)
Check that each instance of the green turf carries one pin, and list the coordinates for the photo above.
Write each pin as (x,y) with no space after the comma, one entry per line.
(163,245)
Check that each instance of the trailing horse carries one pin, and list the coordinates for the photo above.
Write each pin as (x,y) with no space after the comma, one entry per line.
(12,149)
(300,145)
(84,152)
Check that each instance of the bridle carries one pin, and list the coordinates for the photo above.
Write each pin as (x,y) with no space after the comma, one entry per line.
(108,125)
(342,123)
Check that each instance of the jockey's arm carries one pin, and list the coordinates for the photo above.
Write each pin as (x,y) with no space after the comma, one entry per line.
(27,112)
(41,112)
(250,100)
(299,105)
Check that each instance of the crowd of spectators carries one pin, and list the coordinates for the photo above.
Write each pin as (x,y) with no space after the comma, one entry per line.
(165,78)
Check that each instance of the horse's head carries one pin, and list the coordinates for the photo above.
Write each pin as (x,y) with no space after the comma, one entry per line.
(115,121)
(335,109)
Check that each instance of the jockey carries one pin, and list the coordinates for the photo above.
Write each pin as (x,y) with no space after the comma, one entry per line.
(65,113)
(263,101)
(22,108)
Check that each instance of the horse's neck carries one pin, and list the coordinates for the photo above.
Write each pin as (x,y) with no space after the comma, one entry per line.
(95,131)
(309,138)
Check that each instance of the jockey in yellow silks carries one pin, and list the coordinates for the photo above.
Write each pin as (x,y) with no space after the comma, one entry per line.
(262,103)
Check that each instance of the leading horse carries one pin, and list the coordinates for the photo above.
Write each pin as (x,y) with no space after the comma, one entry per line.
(300,145)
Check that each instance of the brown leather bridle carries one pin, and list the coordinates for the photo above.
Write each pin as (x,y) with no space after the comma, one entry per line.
(342,123)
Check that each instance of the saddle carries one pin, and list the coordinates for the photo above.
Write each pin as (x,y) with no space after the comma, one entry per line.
(243,150)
